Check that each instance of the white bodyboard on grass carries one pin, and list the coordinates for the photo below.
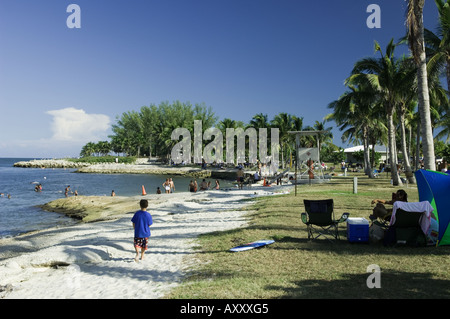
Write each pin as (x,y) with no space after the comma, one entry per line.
(255,244)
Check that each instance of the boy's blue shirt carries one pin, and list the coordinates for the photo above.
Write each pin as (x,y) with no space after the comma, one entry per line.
(142,220)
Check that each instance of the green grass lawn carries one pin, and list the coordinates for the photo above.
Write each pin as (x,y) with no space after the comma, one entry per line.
(294,267)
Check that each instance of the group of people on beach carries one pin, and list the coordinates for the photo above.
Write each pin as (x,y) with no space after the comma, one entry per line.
(193,186)
(380,211)
(168,185)
(204,185)
(38,188)
(384,214)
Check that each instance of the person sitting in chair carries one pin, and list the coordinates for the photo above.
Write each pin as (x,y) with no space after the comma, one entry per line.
(380,211)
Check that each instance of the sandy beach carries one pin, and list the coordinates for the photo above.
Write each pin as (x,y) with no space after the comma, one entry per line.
(96,259)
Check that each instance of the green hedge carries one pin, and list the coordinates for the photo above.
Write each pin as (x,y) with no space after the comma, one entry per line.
(104,159)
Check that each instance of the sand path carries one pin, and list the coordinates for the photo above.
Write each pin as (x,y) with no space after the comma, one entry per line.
(96,260)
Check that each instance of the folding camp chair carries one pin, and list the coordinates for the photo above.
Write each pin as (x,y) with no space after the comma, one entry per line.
(406,229)
(319,219)
(376,173)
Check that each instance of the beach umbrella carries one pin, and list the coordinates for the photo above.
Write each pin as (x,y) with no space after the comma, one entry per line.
(434,187)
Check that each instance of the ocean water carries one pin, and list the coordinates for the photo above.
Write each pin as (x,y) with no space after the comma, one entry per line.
(19,214)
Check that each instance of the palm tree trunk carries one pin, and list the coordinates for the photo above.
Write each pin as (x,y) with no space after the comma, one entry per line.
(408,172)
(372,160)
(396,181)
(367,167)
(418,166)
(410,136)
(417,45)
(424,111)
(447,68)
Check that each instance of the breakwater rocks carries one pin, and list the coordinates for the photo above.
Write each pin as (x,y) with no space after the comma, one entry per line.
(50,163)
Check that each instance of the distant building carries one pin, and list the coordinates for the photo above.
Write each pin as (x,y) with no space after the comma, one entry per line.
(349,153)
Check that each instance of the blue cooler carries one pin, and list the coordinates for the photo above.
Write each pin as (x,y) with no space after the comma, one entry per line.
(357,229)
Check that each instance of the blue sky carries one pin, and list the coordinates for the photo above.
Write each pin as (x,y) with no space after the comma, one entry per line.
(62,87)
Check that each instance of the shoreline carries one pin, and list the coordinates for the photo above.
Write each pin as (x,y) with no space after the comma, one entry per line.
(96,259)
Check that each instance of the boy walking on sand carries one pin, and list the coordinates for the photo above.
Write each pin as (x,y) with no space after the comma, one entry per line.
(142,220)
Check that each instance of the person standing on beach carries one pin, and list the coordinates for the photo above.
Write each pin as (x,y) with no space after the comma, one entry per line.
(240,177)
(166,186)
(142,220)
(172,185)
(191,187)
(203,185)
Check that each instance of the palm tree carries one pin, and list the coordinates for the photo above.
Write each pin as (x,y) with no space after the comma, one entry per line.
(286,122)
(88,149)
(128,132)
(149,116)
(103,147)
(416,42)
(445,125)
(439,105)
(355,113)
(406,102)
(438,45)
(405,108)
(326,136)
(386,76)
(225,124)
(259,121)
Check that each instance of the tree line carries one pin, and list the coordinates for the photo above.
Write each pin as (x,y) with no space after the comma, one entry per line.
(147,132)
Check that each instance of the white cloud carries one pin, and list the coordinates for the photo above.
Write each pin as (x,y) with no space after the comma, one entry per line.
(75,125)
(70,129)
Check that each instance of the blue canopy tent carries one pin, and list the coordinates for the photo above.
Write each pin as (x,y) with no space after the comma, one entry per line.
(434,187)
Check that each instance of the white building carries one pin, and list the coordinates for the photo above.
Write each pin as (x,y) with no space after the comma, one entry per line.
(378,148)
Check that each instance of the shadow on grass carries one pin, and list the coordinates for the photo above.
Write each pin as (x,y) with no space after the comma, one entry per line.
(393,285)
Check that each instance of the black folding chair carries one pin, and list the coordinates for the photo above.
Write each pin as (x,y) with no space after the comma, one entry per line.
(319,219)
(406,229)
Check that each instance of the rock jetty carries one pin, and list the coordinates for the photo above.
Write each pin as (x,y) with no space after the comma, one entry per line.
(50,163)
